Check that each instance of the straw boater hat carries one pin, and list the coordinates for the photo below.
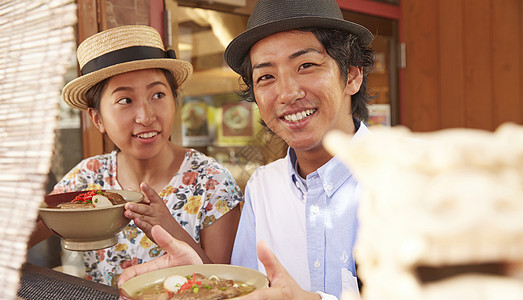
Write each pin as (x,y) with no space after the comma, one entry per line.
(272,16)
(119,50)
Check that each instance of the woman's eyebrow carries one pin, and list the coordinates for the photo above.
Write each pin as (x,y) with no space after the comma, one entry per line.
(155,83)
(128,88)
(121,88)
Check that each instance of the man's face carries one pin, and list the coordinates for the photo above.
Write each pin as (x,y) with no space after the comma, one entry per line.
(299,89)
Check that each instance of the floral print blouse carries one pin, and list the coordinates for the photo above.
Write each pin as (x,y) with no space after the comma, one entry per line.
(199,193)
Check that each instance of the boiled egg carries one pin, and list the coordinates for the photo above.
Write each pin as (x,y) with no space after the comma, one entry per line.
(101,201)
(173,283)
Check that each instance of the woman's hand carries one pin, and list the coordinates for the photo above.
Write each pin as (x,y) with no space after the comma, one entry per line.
(151,212)
(178,253)
(282,285)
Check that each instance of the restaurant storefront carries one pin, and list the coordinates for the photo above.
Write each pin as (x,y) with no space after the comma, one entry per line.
(211,118)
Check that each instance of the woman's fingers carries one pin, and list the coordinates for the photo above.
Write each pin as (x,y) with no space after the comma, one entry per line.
(150,193)
(143,225)
(141,214)
(146,215)
(141,209)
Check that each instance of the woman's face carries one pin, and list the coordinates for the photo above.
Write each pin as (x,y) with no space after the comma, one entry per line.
(137,112)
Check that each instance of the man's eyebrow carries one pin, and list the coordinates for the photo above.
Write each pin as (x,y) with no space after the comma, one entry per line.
(302,52)
(291,57)
(262,65)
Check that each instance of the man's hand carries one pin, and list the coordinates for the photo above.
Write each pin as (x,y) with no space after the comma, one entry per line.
(178,254)
(282,285)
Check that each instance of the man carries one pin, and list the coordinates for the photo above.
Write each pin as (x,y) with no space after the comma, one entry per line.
(306,68)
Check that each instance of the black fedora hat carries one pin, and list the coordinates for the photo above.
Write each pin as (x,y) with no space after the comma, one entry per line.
(272,16)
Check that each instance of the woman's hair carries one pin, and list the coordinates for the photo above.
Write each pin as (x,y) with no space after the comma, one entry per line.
(346,49)
(94,94)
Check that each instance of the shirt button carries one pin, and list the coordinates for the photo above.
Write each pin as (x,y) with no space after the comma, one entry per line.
(317,264)
(329,187)
(315,209)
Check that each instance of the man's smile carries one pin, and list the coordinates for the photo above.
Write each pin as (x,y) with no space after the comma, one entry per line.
(299,116)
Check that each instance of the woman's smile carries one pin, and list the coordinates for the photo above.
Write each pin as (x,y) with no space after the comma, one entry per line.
(147,137)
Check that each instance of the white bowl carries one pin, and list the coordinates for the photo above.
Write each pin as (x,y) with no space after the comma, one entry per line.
(129,290)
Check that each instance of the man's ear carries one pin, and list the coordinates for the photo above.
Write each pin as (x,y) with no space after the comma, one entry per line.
(97,119)
(354,80)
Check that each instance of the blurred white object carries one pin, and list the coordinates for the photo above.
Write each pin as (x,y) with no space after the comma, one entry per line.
(36,41)
(442,212)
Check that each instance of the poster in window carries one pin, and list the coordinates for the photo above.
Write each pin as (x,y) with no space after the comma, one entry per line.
(237,124)
(195,126)
(379,115)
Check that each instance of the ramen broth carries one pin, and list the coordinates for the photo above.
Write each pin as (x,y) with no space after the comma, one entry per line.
(201,287)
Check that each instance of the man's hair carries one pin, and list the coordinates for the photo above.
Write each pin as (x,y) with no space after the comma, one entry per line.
(94,94)
(346,49)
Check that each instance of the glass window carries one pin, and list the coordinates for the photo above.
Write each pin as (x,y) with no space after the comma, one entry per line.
(213,119)
(215,122)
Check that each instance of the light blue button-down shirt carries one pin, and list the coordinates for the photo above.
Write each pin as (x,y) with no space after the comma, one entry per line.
(311,229)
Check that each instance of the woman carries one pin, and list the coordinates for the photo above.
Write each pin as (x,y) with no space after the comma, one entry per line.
(129,88)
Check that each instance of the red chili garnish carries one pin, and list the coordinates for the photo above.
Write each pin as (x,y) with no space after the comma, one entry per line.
(185,286)
(86,197)
(189,284)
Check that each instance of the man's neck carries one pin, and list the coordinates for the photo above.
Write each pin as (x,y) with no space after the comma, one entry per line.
(311,160)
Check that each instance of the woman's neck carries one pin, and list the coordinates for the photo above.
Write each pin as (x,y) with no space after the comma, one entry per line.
(157,171)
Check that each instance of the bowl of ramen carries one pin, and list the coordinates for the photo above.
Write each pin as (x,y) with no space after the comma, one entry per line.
(87,220)
(209,281)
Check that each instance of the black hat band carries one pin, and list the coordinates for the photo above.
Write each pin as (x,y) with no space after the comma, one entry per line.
(124,55)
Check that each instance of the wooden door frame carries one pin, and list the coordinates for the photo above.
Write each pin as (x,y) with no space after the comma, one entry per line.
(88,24)
(383,10)
(157,16)
(372,8)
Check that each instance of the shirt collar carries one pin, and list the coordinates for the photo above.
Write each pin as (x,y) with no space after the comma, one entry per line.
(291,163)
(332,174)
